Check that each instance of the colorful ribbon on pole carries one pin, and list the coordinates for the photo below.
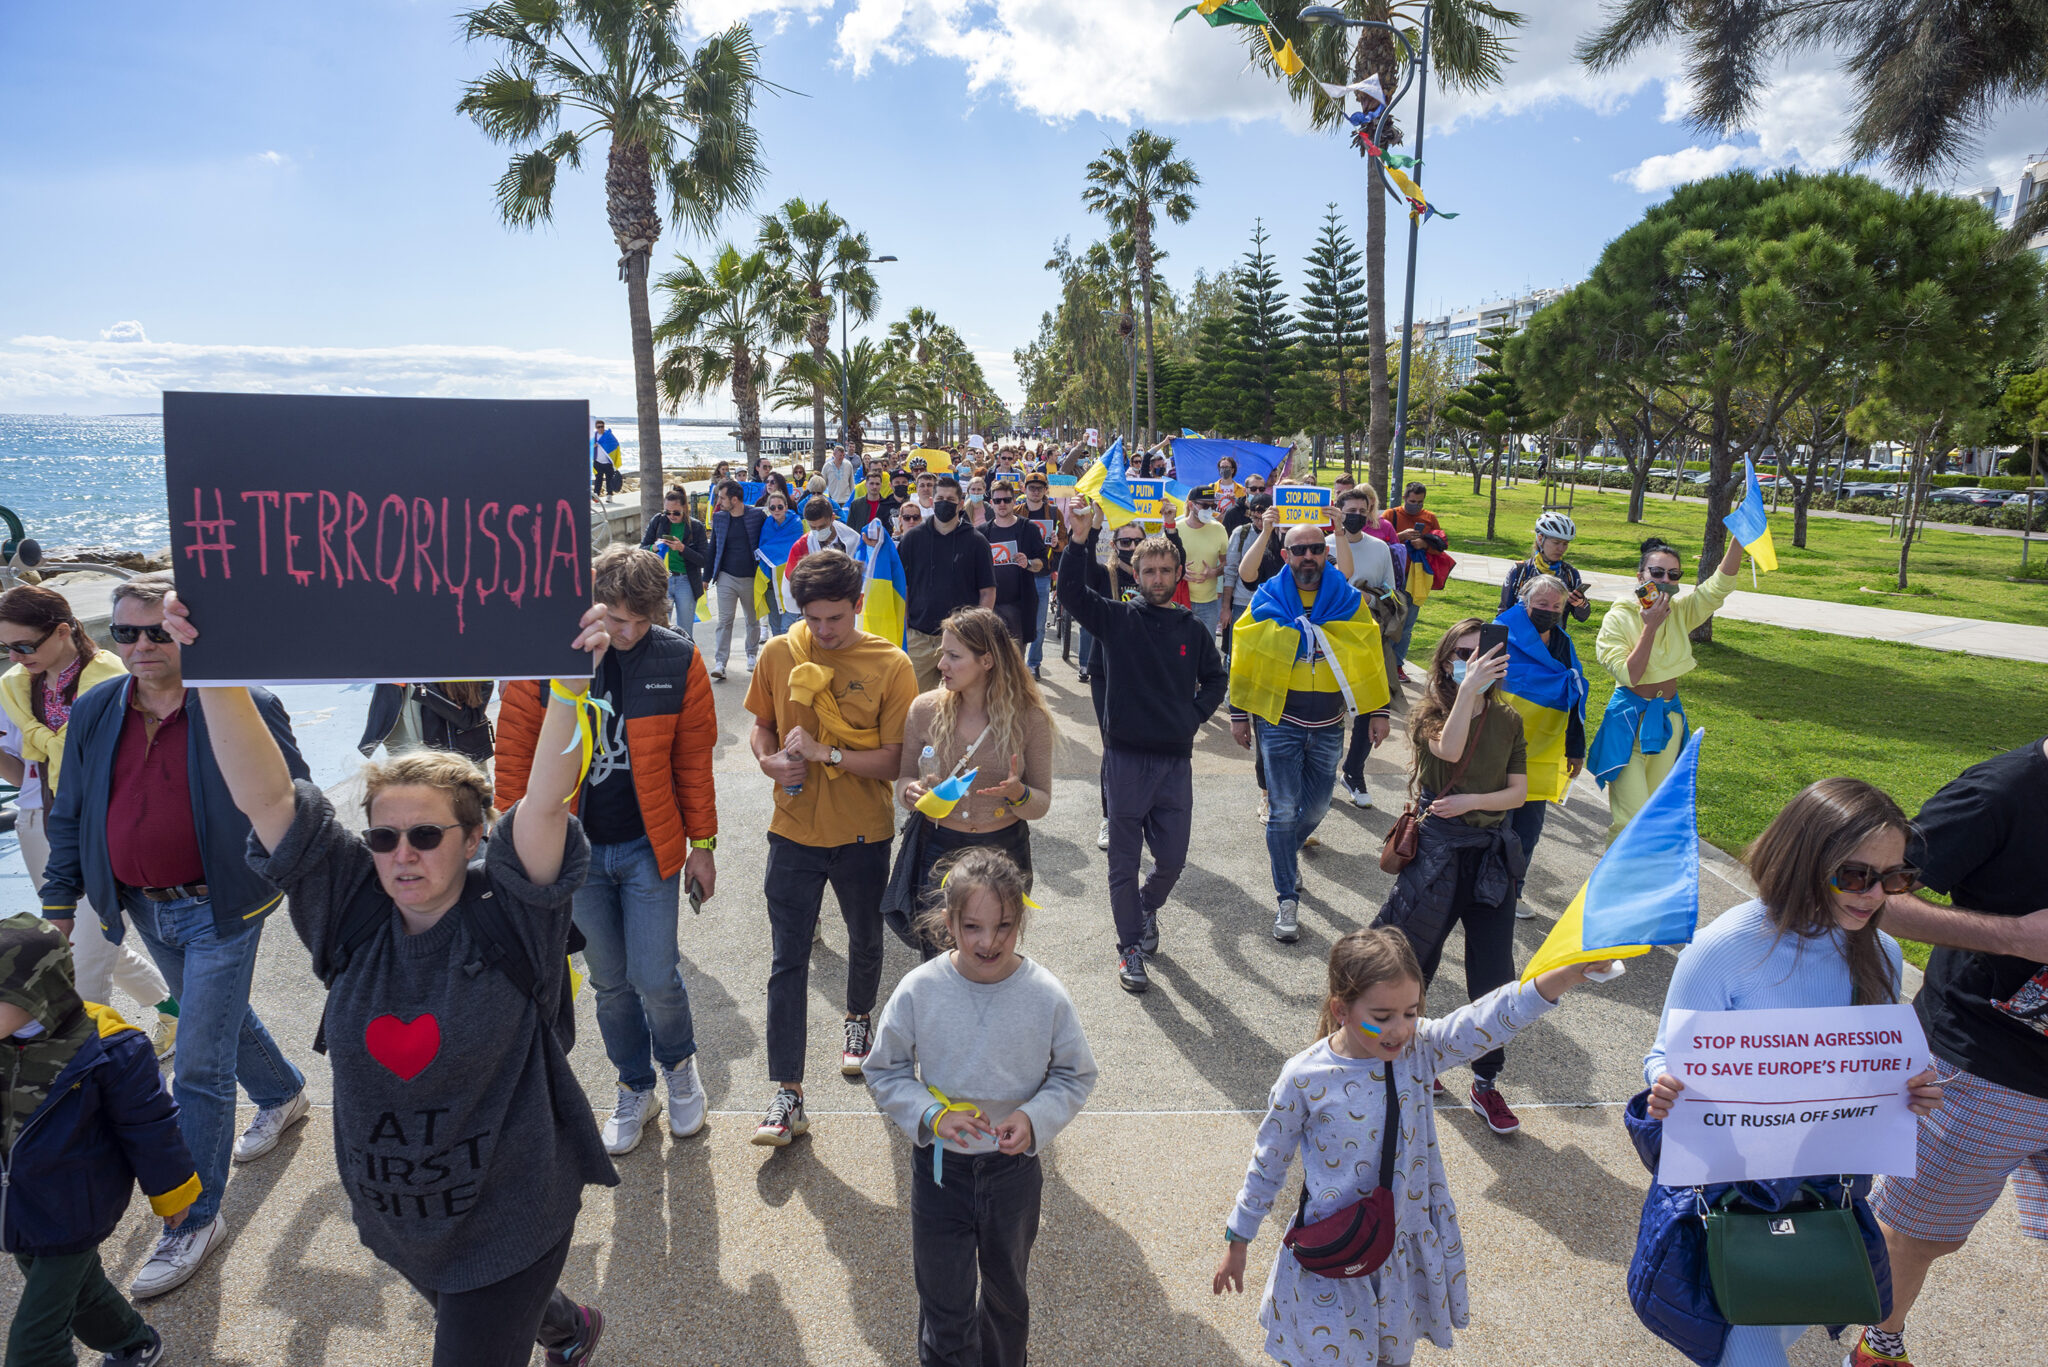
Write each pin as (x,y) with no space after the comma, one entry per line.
(586,708)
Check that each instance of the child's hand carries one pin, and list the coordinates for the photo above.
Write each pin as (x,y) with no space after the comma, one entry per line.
(1014,1134)
(1230,1272)
(958,1127)
(1925,1091)
(1662,1095)
(173,1221)
(1559,981)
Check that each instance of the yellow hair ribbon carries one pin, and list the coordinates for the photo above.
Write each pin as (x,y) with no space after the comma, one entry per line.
(1025,898)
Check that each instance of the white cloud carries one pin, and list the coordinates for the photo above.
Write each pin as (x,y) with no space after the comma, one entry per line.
(273,158)
(124,371)
(1676,168)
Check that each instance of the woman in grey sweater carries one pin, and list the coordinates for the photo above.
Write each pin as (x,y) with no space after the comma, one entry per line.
(463,1140)
(979,1057)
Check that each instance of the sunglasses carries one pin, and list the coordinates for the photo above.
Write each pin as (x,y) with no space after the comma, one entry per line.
(1861,877)
(1001,501)
(384,839)
(1124,545)
(31,647)
(1299,552)
(127,636)
(1667,576)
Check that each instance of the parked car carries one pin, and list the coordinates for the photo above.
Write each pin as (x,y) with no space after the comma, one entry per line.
(2019,500)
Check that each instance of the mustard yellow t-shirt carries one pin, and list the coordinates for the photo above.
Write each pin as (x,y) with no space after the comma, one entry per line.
(874,686)
(1671,655)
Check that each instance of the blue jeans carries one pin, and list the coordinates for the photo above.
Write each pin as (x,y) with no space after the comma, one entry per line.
(1209,614)
(221,1041)
(1408,629)
(1086,646)
(684,604)
(1301,764)
(1035,656)
(627,912)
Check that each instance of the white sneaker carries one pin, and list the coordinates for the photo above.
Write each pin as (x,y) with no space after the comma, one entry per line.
(686,1103)
(1523,911)
(1287,923)
(621,1131)
(269,1126)
(1102,835)
(1358,795)
(179,1253)
(718,674)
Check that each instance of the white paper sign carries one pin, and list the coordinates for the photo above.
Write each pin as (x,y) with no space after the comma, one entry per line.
(1791,1093)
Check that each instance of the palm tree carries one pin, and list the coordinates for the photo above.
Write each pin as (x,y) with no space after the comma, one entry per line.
(720,325)
(1467,48)
(814,246)
(865,377)
(1128,185)
(915,331)
(620,68)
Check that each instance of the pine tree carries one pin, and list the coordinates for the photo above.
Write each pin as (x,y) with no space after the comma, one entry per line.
(1263,333)
(1324,394)
(1212,402)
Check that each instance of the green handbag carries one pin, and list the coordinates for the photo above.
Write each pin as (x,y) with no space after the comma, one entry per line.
(1802,1265)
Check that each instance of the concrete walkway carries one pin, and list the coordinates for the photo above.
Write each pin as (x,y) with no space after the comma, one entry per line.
(716,1252)
(1965,635)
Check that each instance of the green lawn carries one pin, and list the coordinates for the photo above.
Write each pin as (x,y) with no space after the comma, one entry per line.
(1950,573)
(1784,708)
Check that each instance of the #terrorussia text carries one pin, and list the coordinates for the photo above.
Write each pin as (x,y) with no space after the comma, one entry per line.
(322,536)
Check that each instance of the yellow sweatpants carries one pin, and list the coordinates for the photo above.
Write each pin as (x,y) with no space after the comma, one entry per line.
(1640,777)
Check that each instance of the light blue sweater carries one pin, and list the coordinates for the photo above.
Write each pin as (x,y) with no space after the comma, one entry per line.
(1742,963)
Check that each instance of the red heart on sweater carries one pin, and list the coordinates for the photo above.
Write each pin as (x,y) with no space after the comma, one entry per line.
(405,1047)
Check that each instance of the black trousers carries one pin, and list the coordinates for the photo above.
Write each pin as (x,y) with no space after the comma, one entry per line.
(797,875)
(498,1325)
(1361,749)
(982,1221)
(1489,950)
(65,1295)
(1149,801)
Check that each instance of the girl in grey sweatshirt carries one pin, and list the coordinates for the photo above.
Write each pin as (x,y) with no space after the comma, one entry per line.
(979,1057)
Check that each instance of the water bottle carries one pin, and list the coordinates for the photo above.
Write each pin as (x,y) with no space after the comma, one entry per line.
(792,788)
(928,767)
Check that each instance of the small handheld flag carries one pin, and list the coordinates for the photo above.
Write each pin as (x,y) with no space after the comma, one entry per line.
(1747,523)
(1646,889)
(938,804)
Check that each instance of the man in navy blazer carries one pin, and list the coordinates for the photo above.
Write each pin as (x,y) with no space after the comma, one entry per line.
(145,826)
(735,538)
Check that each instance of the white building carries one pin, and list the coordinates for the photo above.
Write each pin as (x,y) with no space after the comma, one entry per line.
(2004,203)
(1457,334)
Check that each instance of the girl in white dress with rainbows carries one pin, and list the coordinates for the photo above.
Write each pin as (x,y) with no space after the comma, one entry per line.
(1330,1105)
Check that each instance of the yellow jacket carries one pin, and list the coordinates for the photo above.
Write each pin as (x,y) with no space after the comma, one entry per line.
(40,745)
(1671,656)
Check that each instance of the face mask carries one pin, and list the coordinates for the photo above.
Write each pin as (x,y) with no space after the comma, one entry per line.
(946,509)
(974,498)
(1457,671)
(1543,619)
(33,1030)
(1354,522)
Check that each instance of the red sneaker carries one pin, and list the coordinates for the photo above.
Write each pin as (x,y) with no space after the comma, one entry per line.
(1436,1088)
(1493,1109)
(1863,1355)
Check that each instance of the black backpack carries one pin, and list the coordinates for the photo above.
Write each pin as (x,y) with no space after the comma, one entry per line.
(485,920)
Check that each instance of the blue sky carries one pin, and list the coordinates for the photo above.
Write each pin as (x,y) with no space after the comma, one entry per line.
(281,197)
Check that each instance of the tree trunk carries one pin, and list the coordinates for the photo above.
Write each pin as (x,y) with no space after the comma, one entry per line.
(747,403)
(1375,55)
(1493,491)
(635,222)
(819,335)
(1639,470)
(1915,498)
(1803,496)
(1144,235)
(1720,462)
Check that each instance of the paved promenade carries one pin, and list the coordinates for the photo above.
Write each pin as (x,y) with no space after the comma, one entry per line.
(716,1252)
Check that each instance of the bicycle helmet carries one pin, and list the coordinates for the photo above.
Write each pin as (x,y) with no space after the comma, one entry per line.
(1556,524)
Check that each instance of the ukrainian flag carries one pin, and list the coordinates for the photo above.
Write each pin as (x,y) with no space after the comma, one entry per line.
(1548,694)
(938,804)
(883,609)
(1747,523)
(1645,890)
(605,446)
(770,557)
(1108,483)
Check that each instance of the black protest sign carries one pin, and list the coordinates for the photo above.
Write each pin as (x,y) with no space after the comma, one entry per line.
(322,539)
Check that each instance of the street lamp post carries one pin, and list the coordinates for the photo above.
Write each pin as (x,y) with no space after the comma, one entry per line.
(1418,72)
(846,357)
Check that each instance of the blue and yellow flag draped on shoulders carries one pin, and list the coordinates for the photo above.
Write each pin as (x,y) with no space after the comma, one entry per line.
(1548,693)
(882,610)
(771,559)
(1275,647)
(1646,889)
(1748,523)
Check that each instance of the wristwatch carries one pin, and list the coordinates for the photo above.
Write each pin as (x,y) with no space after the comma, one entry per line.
(709,842)
(835,759)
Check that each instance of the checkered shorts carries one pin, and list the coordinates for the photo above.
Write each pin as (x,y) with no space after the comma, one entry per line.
(1982,1134)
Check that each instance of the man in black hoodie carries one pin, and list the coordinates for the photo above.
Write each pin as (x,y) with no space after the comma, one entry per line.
(1159,679)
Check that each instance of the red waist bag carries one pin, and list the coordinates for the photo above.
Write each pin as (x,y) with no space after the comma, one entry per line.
(1356,1240)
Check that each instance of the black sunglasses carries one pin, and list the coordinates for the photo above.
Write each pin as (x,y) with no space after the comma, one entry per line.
(1124,545)
(31,647)
(1668,576)
(1299,552)
(1001,501)
(127,635)
(384,839)
(1860,878)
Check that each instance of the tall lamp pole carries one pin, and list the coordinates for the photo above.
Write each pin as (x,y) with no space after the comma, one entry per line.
(1418,71)
(845,357)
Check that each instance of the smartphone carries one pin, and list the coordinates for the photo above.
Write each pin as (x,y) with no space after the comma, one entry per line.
(695,891)
(1492,635)
(1646,594)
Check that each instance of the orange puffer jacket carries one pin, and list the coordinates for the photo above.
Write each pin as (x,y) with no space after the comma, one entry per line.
(671,729)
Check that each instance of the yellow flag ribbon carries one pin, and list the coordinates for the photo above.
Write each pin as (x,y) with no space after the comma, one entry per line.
(587,708)
(932,1117)
(1284,55)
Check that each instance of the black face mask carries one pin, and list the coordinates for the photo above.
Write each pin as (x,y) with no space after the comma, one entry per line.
(1354,522)
(1543,619)
(946,509)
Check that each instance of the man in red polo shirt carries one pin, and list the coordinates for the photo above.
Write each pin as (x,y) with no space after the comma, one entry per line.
(145,826)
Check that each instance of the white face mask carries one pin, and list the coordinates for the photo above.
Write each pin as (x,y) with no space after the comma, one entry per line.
(33,1030)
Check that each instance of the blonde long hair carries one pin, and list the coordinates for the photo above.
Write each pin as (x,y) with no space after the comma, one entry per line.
(1012,694)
